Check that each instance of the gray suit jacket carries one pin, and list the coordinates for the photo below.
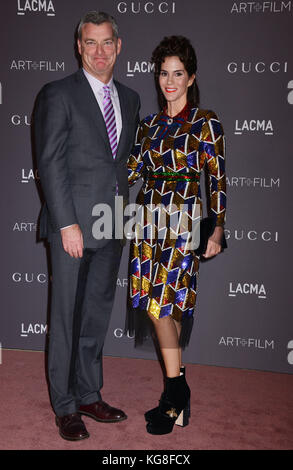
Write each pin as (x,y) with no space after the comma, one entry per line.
(74,158)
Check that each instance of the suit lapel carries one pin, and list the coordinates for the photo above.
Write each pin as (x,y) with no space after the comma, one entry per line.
(123,107)
(92,105)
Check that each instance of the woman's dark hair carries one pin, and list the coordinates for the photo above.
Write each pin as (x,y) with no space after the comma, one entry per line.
(180,47)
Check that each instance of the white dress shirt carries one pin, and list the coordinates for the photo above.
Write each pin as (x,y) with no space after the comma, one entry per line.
(97,87)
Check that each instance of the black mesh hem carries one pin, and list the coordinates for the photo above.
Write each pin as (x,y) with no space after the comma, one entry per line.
(186,330)
(139,325)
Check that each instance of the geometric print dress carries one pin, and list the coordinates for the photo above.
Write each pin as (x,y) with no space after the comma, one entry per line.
(170,154)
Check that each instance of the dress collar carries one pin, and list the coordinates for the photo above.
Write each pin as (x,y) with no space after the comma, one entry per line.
(182,115)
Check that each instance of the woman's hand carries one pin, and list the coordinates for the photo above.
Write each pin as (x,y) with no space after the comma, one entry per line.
(214,243)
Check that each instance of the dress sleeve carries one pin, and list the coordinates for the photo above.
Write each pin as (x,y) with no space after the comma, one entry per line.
(213,146)
(135,162)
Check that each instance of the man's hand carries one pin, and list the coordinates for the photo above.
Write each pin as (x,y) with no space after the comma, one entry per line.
(72,241)
(214,243)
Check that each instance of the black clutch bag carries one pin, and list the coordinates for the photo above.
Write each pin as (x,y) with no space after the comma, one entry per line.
(207,227)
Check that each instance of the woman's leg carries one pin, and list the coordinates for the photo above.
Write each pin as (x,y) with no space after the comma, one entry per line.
(175,397)
(168,331)
(178,328)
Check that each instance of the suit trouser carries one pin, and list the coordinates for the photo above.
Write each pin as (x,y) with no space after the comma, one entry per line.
(83,293)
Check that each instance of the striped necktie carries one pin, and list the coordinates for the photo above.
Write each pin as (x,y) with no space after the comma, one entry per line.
(109,117)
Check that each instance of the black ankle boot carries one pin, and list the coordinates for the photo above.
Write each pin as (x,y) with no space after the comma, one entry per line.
(182,420)
(174,400)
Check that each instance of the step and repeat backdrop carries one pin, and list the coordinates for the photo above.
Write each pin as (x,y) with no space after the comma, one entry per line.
(243,315)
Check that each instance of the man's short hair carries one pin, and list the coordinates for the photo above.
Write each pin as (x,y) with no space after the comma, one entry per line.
(97,17)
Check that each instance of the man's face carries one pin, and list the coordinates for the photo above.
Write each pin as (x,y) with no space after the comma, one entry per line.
(99,49)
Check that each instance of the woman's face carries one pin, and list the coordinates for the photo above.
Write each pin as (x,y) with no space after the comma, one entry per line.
(174,81)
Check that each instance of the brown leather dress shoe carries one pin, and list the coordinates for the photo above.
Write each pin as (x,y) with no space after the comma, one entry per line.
(71,427)
(101,411)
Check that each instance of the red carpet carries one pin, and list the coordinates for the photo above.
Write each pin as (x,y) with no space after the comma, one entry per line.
(231,408)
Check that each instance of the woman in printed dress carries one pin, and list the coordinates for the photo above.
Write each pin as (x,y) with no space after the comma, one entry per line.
(170,152)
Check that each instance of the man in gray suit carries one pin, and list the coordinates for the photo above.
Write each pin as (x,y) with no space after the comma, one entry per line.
(84,130)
